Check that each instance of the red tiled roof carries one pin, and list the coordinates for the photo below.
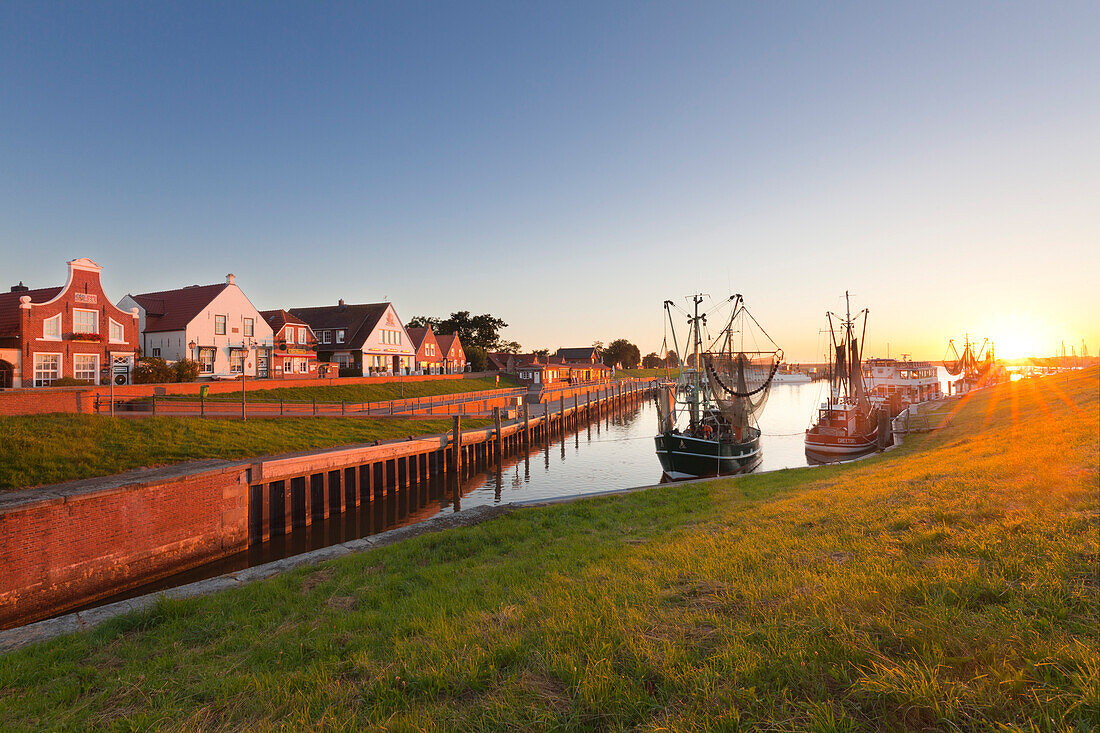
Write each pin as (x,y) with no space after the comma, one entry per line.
(172,310)
(9,307)
(417,335)
(445,340)
(279,318)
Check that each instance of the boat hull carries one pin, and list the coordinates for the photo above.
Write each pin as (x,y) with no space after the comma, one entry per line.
(682,456)
(829,448)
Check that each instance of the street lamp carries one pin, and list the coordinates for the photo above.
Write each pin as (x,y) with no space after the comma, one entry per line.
(246,345)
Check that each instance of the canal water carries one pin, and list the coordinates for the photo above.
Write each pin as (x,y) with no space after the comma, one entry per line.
(614,453)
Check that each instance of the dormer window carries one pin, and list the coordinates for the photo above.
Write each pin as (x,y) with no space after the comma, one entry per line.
(339,337)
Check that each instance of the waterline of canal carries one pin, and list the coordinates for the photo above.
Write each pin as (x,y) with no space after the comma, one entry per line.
(613,453)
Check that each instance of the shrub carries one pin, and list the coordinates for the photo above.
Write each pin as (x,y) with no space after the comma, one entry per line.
(186,370)
(71,382)
(153,370)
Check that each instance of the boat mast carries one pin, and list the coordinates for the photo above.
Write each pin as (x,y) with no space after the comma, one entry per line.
(697,299)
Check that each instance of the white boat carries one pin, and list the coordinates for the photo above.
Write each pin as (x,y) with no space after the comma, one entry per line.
(790,378)
(898,384)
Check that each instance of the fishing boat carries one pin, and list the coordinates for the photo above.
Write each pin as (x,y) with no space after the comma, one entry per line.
(895,385)
(975,367)
(707,418)
(847,423)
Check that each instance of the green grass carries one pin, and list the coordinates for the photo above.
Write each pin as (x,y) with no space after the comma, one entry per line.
(43,449)
(646,373)
(359,392)
(948,585)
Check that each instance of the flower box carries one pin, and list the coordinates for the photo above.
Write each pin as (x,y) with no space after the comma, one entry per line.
(86,336)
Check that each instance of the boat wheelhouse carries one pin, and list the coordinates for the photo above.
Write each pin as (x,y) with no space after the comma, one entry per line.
(896,385)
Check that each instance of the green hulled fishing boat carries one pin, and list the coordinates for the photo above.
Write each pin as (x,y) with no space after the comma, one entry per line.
(707,418)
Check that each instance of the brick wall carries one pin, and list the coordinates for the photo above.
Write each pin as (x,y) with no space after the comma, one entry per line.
(74,543)
(42,400)
(76,399)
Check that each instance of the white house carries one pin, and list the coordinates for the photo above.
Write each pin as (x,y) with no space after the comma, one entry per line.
(215,325)
(366,337)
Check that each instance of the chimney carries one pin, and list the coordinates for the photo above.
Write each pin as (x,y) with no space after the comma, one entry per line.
(20,288)
(231,279)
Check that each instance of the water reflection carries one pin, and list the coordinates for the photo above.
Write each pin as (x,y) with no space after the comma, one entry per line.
(615,452)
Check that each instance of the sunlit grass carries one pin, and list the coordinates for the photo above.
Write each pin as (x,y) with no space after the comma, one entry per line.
(43,449)
(948,585)
(357,393)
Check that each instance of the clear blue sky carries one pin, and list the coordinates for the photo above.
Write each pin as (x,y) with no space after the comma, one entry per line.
(568,166)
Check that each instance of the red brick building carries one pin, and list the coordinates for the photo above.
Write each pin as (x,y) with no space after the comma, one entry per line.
(454,358)
(68,331)
(429,356)
(294,354)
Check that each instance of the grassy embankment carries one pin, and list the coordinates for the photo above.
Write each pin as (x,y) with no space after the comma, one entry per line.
(43,449)
(646,373)
(357,392)
(948,585)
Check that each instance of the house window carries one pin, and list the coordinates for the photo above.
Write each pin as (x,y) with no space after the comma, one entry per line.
(340,337)
(118,334)
(51,328)
(85,321)
(236,361)
(47,367)
(156,351)
(326,337)
(249,326)
(86,366)
(219,325)
(206,361)
(303,365)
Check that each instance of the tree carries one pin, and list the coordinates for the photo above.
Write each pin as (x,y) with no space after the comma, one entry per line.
(478,359)
(542,353)
(651,360)
(508,347)
(621,351)
(475,332)
(424,322)
(672,359)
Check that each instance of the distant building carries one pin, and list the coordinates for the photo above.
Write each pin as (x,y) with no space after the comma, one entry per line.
(511,363)
(367,337)
(454,357)
(294,354)
(215,325)
(581,355)
(535,371)
(68,331)
(429,356)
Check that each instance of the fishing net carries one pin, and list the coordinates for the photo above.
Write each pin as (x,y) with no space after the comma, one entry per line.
(741,384)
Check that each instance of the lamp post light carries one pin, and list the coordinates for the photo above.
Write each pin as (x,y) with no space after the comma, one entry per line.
(246,345)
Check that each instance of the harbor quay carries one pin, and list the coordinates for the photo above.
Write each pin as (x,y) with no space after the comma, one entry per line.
(71,544)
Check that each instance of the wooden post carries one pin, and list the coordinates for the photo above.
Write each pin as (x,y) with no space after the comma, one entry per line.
(561,416)
(202,405)
(280,407)
(575,407)
(154,405)
(314,405)
(456,446)
(500,438)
